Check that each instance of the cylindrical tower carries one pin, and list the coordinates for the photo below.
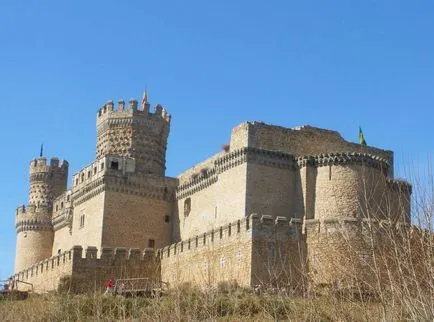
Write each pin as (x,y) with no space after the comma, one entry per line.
(134,132)
(33,222)
(350,186)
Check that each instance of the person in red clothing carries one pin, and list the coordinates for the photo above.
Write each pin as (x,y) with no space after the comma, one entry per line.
(109,287)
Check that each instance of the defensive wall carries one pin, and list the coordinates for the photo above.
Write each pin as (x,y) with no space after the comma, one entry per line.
(71,271)
(250,251)
(363,254)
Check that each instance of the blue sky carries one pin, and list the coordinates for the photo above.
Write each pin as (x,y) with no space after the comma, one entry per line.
(212,64)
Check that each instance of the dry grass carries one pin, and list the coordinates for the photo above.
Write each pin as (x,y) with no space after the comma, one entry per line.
(189,305)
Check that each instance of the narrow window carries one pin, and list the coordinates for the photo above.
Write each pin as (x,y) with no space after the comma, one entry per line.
(166,218)
(102,166)
(76,181)
(81,221)
(151,243)
(94,170)
(88,174)
(61,205)
(330,172)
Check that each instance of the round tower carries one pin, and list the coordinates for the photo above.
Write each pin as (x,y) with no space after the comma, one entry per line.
(134,132)
(350,185)
(33,222)
(352,196)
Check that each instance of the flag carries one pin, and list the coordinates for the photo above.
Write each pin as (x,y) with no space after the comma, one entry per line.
(42,150)
(362,140)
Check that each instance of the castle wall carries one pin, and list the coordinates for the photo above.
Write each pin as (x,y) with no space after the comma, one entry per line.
(222,254)
(271,189)
(278,253)
(215,199)
(301,141)
(87,223)
(251,251)
(337,254)
(63,239)
(132,220)
(80,271)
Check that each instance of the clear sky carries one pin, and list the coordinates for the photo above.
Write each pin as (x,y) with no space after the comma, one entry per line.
(213,65)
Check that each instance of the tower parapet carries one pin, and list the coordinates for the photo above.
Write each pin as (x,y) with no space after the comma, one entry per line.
(134,132)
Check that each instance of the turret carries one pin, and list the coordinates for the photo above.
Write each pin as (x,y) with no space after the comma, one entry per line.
(133,131)
(33,222)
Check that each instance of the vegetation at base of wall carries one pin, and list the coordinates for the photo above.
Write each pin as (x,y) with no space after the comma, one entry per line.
(191,304)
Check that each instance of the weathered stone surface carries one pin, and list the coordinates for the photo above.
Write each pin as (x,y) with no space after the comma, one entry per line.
(277,206)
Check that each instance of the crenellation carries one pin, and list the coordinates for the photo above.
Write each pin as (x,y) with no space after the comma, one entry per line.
(121,254)
(134,254)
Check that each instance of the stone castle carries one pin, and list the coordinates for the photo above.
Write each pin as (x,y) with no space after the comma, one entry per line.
(277,206)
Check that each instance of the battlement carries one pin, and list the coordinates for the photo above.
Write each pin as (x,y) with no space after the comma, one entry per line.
(330,159)
(112,263)
(121,111)
(254,226)
(40,165)
(97,169)
(32,218)
(400,185)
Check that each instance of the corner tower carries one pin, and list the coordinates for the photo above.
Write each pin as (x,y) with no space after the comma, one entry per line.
(134,132)
(33,222)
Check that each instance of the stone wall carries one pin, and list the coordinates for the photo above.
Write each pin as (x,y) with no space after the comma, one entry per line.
(271,186)
(300,141)
(250,251)
(210,201)
(71,271)
(365,254)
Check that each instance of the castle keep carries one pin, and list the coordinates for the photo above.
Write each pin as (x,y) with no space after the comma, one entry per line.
(276,206)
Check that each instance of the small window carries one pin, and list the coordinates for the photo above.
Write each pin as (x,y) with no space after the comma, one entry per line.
(57,207)
(88,174)
(82,177)
(94,170)
(76,181)
(61,205)
(102,166)
(114,165)
(151,243)
(81,221)
(166,218)
(187,207)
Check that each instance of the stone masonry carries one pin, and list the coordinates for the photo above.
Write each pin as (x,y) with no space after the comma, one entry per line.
(278,206)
